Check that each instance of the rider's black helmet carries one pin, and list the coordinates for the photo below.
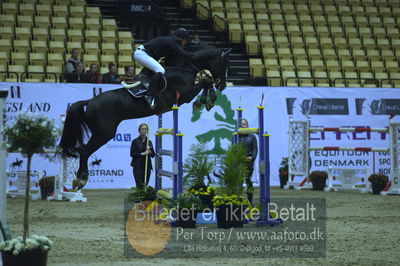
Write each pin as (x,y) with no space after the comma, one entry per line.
(182,33)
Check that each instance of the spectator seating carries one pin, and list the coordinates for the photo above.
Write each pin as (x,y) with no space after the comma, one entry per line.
(37,36)
(314,43)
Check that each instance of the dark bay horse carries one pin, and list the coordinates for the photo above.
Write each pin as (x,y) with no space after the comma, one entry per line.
(99,117)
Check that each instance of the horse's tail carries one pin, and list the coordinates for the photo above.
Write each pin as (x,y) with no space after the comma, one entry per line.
(75,129)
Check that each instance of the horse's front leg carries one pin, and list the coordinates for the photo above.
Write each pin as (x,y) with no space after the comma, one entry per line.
(204,84)
(212,98)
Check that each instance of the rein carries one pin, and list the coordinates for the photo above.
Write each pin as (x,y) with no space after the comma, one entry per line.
(203,72)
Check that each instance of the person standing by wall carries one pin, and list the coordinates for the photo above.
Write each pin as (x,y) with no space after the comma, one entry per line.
(250,141)
(141,148)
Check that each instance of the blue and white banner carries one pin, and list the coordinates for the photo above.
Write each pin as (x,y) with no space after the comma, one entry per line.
(329,107)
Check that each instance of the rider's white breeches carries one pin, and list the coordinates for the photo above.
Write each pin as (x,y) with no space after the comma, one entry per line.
(147,61)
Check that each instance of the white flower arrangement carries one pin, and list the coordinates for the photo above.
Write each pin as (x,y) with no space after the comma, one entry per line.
(30,133)
(16,245)
(31,130)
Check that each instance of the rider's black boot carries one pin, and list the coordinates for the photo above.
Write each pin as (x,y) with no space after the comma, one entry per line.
(154,85)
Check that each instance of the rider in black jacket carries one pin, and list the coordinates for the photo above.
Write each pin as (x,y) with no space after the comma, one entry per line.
(150,52)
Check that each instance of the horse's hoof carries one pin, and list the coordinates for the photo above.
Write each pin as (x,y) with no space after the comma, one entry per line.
(78,183)
(75,183)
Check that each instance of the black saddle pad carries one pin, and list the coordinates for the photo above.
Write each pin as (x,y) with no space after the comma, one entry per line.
(139,91)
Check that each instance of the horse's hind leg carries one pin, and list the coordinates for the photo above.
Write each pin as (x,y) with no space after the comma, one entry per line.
(95,142)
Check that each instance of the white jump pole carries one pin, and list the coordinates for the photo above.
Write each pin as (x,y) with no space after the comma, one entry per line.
(3,175)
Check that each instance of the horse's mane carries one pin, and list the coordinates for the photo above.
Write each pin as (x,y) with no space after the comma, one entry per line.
(199,50)
(205,53)
(193,47)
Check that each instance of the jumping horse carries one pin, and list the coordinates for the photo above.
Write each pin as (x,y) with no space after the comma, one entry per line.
(97,119)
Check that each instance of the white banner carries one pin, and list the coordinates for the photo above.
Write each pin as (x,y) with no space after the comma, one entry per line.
(330,107)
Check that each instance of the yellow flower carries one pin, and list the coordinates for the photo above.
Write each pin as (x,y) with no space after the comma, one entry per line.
(164,215)
(246,202)
(164,194)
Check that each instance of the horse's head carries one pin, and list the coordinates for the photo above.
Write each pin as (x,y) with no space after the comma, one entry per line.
(216,61)
(219,69)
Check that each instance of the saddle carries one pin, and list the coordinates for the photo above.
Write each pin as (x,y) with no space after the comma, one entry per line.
(141,84)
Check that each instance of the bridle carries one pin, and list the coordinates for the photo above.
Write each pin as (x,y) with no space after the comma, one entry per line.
(212,62)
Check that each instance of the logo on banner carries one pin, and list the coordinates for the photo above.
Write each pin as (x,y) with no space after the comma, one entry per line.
(97,91)
(319,106)
(385,107)
(227,124)
(16,165)
(106,172)
(122,137)
(290,105)
(15,92)
(325,106)
(95,163)
(359,105)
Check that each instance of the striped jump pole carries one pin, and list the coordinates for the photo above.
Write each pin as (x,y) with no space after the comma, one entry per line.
(349,129)
(4,230)
(336,148)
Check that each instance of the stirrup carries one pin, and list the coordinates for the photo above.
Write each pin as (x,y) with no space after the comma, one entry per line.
(150,101)
(153,104)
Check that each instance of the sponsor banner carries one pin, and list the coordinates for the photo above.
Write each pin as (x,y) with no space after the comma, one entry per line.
(109,167)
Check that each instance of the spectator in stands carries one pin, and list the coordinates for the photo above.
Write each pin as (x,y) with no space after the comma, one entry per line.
(77,75)
(129,74)
(73,60)
(112,76)
(92,75)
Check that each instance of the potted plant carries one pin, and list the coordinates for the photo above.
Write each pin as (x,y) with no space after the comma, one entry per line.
(284,172)
(145,193)
(30,133)
(378,182)
(197,167)
(46,185)
(230,203)
(206,195)
(318,179)
(186,207)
